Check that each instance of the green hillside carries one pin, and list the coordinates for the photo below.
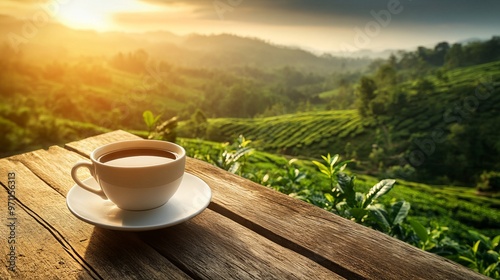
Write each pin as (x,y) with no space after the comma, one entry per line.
(112,92)
(302,134)
(436,123)
(459,208)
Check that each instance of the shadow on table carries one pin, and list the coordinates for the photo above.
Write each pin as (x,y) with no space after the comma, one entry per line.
(202,247)
(207,246)
(114,254)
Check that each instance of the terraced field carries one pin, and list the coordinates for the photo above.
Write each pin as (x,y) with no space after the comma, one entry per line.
(459,208)
(311,133)
(469,95)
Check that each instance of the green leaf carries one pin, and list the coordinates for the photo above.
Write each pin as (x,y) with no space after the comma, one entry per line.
(326,158)
(378,190)
(495,241)
(342,167)
(399,211)
(265,178)
(325,170)
(494,255)
(467,259)
(420,230)
(241,152)
(345,184)
(359,199)
(490,268)
(329,197)
(148,118)
(358,213)
(380,216)
(299,176)
(156,119)
(476,247)
(233,168)
(478,236)
(334,160)
(429,245)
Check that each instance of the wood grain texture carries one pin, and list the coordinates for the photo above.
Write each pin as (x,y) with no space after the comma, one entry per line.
(41,251)
(103,254)
(212,246)
(342,246)
(349,249)
(53,166)
(87,145)
(208,247)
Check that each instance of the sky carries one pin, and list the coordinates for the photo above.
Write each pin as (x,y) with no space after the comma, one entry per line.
(316,25)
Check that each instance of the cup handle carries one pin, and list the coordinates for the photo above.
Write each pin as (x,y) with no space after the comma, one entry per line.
(89,166)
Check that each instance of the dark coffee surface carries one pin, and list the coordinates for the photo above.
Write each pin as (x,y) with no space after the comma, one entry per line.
(141,155)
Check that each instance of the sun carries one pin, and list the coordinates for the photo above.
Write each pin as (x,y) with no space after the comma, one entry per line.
(84,15)
(95,14)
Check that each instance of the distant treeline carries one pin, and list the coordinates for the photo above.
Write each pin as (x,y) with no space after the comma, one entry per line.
(437,110)
(433,123)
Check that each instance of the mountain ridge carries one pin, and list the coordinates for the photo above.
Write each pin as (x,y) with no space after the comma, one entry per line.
(194,50)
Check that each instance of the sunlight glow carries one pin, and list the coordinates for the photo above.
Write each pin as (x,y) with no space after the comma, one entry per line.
(97,15)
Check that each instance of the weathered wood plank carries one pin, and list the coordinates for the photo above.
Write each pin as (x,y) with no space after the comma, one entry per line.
(347,248)
(39,251)
(343,246)
(53,166)
(86,146)
(212,246)
(209,246)
(37,254)
(110,255)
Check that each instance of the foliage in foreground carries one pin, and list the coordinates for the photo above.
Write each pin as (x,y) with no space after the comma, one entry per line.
(481,253)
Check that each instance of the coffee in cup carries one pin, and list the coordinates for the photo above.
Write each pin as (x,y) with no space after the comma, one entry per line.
(137,157)
(135,174)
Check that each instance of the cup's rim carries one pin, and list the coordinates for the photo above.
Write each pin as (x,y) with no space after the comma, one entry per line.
(128,144)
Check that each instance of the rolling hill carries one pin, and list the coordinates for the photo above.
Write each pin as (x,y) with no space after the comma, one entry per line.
(53,41)
(437,127)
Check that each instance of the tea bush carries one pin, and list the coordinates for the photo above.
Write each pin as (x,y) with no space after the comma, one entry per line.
(489,182)
(337,191)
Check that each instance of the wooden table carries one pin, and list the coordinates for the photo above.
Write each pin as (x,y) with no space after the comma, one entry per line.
(248,231)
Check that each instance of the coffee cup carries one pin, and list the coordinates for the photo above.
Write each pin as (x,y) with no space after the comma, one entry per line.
(135,174)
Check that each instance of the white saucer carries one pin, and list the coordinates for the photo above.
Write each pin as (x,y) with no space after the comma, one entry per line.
(192,197)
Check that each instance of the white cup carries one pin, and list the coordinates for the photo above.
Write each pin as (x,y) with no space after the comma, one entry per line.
(136,174)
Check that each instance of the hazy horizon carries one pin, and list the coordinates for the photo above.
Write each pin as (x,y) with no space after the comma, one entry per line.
(318,26)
